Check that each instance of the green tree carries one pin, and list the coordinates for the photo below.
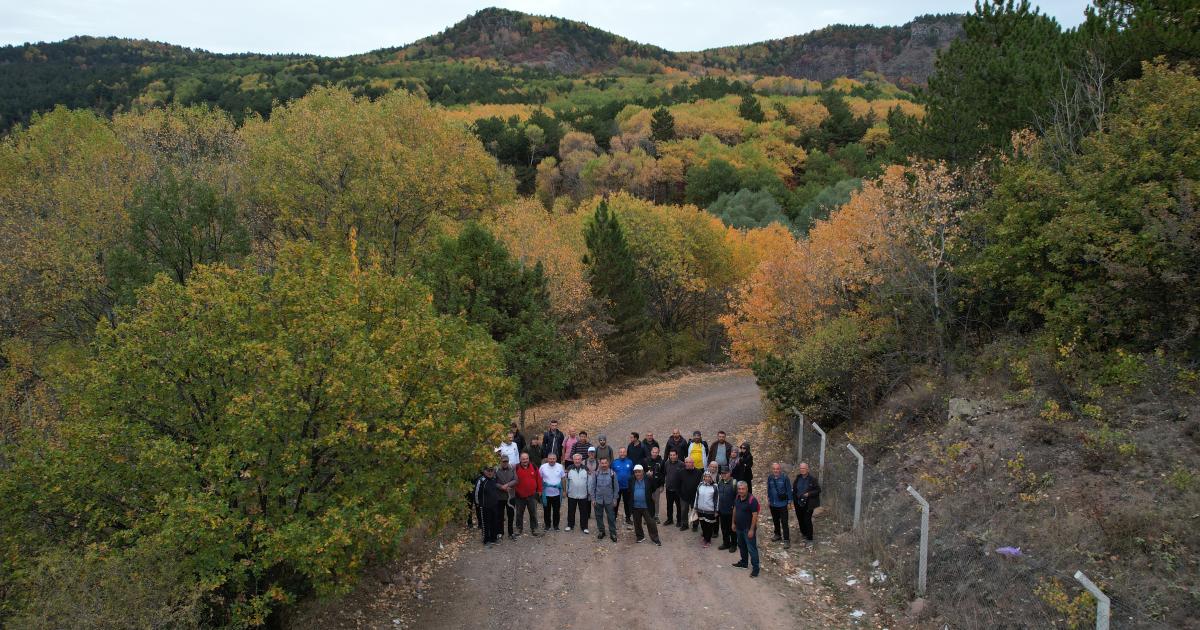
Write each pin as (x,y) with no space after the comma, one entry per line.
(996,79)
(612,276)
(749,209)
(706,182)
(662,125)
(749,109)
(475,277)
(178,222)
(275,431)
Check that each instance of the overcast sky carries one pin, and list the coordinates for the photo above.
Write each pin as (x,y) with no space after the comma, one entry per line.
(353,26)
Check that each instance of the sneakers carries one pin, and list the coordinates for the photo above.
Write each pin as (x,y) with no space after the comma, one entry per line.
(741,565)
(658,542)
(754,573)
(640,540)
(568,528)
(706,545)
(585,530)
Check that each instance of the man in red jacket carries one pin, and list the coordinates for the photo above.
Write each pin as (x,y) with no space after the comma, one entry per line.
(527,490)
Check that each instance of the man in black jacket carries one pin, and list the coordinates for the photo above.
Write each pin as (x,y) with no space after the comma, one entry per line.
(552,441)
(726,494)
(689,480)
(806,496)
(676,444)
(487,494)
(656,468)
(650,443)
(673,476)
(641,492)
(635,451)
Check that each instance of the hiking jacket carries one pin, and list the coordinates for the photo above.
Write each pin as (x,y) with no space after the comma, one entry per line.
(650,487)
(779,491)
(656,468)
(529,481)
(624,470)
(726,494)
(552,442)
(505,475)
(487,493)
(679,446)
(698,453)
(535,455)
(636,453)
(730,449)
(806,484)
(672,476)
(604,451)
(577,483)
(603,488)
(706,498)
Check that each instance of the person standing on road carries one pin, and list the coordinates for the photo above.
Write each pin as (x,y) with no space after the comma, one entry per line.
(518,438)
(577,494)
(726,495)
(509,450)
(641,493)
(603,449)
(676,444)
(745,523)
(720,451)
(714,470)
(689,481)
(743,466)
(673,476)
(528,489)
(552,474)
(779,497)
(568,446)
(534,450)
(603,489)
(581,446)
(649,443)
(706,507)
(806,495)
(552,441)
(698,451)
(506,478)
(591,463)
(635,451)
(487,494)
(656,470)
(624,469)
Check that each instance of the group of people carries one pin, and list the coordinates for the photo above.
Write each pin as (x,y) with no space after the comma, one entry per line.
(708,488)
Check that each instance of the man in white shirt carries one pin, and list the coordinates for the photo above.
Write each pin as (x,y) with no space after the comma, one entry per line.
(552,482)
(510,451)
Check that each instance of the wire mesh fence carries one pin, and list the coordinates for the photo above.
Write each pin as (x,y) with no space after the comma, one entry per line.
(975,578)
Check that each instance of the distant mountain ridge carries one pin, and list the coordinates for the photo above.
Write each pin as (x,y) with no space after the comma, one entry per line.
(110,74)
(900,53)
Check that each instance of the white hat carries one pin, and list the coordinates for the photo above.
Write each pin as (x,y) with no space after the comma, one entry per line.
(591,449)
(638,467)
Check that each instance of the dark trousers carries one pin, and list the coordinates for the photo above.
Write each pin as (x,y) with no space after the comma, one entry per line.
(491,522)
(474,512)
(707,529)
(674,503)
(527,503)
(804,515)
(608,510)
(728,538)
(584,507)
(748,546)
(640,516)
(507,509)
(550,512)
(625,497)
(779,515)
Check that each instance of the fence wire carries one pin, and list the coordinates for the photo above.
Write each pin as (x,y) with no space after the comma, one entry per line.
(969,584)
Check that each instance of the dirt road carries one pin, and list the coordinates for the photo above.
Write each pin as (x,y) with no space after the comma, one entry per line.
(571,580)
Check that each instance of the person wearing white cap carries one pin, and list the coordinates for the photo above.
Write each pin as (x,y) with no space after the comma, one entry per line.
(592,463)
(641,493)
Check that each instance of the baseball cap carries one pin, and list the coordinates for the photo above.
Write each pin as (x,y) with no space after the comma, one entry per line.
(591,449)
(638,467)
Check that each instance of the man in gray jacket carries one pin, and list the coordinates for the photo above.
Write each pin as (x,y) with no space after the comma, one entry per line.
(603,488)
(506,479)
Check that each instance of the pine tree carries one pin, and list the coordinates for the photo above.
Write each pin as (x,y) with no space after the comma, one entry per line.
(750,109)
(662,125)
(476,277)
(614,281)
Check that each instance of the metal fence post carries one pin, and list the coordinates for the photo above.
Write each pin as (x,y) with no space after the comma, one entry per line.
(821,465)
(1102,604)
(799,435)
(924,540)
(857,485)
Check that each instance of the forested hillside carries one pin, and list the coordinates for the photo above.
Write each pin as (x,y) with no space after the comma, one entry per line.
(493,56)
(248,302)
